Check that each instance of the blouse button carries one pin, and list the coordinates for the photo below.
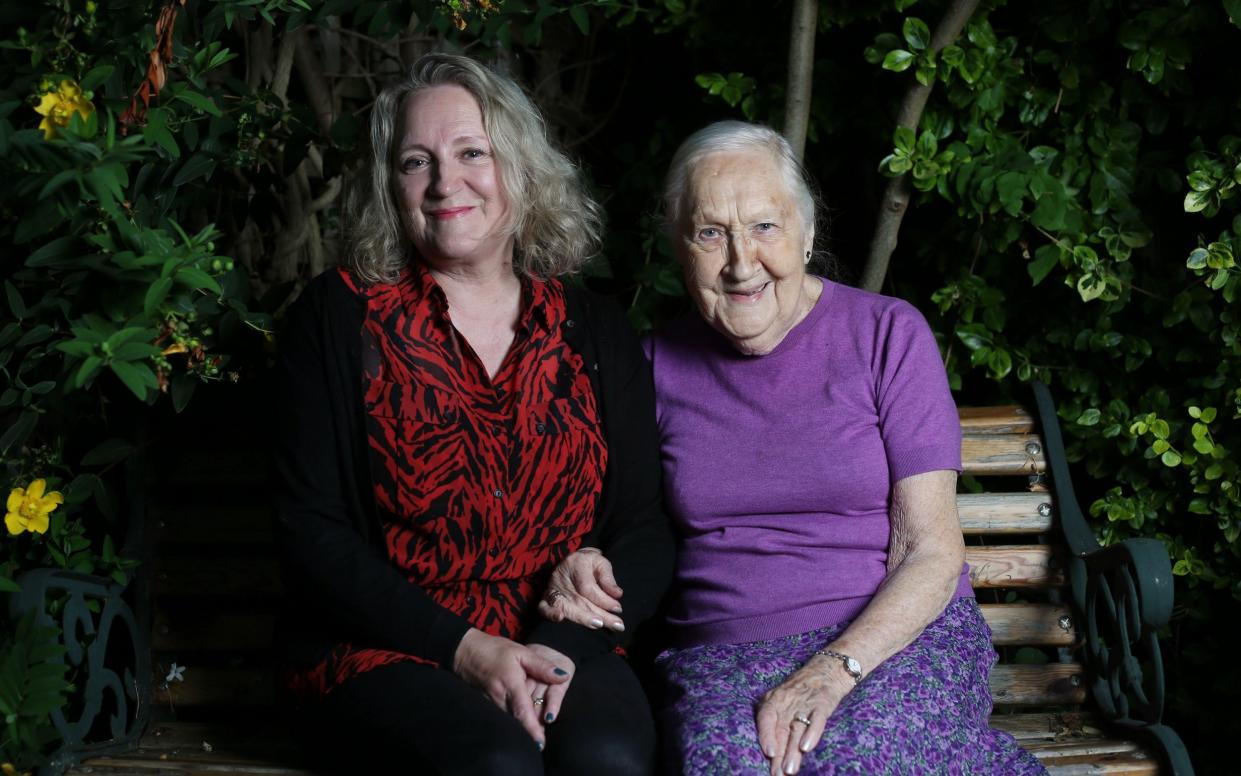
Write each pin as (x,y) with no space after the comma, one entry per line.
(540,428)
(493,552)
(499,493)
(450,415)
(469,600)
(569,324)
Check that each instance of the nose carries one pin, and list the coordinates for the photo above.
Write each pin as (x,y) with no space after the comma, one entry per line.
(742,261)
(445,178)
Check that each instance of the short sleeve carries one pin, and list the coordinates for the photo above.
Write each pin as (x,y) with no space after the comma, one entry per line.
(918,419)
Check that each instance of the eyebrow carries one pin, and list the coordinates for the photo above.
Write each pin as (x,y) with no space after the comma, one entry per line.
(462,140)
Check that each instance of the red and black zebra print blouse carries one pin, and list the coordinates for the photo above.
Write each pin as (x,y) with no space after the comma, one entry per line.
(483,485)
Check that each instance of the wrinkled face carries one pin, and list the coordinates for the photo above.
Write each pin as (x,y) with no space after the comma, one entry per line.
(447,180)
(743,249)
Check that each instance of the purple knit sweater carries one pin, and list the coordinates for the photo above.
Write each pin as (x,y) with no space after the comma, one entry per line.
(778,468)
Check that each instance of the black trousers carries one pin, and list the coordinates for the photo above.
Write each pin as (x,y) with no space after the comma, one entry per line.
(407,719)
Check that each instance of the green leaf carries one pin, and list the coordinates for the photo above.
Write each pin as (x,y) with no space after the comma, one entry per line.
(196,278)
(182,390)
(1089,418)
(8,586)
(108,451)
(203,103)
(19,431)
(1233,9)
(580,18)
(1171,458)
(898,60)
(155,295)
(51,252)
(916,33)
(138,378)
(197,166)
(1045,258)
(904,139)
(1197,259)
(16,303)
(95,77)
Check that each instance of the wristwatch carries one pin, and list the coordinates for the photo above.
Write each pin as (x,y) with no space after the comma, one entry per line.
(852,667)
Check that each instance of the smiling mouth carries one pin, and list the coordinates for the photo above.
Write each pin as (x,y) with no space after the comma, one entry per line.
(449,212)
(750,294)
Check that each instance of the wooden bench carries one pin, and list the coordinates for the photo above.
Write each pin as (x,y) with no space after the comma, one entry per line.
(1079,681)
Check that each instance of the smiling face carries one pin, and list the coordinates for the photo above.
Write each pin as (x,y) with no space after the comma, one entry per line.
(743,249)
(447,180)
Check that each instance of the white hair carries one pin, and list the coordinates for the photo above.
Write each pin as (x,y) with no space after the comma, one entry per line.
(731,137)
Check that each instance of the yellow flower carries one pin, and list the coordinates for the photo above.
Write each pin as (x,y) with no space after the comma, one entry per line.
(28,509)
(57,107)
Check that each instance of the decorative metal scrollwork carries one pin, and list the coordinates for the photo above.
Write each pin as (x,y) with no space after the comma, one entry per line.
(1128,597)
(104,649)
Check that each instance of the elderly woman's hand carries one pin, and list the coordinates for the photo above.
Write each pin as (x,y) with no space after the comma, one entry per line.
(513,675)
(791,717)
(583,590)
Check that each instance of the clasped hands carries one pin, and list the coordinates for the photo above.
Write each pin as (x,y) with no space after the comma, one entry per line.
(790,718)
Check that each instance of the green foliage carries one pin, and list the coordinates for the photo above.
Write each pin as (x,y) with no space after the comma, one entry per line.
(33,683)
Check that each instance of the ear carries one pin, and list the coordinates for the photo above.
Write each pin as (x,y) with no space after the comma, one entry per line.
(808,249)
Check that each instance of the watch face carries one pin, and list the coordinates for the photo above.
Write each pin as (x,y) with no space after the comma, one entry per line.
(853,665)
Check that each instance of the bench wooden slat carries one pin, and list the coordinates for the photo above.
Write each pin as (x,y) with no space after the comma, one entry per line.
(248,576)
(1048,726)
(1103,757)
(1016,565)
(245,524)
(1037,685)
(1004,419)
(1041,624)
(1002,454)
(210,629)
(1005,513)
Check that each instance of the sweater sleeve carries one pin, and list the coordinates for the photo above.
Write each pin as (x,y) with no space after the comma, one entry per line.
(917,417)
(328,562)
(635,535)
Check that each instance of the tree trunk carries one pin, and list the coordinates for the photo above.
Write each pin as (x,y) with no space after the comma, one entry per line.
(801,73)
(896,196)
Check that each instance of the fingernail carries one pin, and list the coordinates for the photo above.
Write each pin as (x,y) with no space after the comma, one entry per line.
(560,672)
(805,746)
(790,769)
(550,717)
(769,752)
(596,623)
(618,626)
(540,746)
(618,610)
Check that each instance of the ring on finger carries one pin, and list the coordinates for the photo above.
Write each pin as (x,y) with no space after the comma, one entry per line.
(539,701)
(802,718)
(553,595)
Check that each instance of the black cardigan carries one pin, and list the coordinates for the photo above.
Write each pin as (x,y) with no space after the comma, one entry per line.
(341,584)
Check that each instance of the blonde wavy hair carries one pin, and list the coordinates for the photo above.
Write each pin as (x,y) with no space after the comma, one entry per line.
(556,225)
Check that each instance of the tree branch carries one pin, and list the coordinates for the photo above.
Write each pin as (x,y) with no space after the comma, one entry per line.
(801,74)
(896,196)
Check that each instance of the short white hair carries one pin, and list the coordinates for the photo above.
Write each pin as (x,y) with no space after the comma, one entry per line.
(732,137)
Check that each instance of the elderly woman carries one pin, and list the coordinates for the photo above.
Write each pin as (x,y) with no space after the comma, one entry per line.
(454,422)
(822,618)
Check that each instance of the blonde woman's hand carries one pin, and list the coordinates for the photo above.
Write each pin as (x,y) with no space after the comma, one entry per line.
(583,590)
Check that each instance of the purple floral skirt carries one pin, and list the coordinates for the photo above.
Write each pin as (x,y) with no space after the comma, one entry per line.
(923,711)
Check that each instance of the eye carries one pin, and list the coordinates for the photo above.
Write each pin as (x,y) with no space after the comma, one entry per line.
(765,226)
(413,164)
(708,233)
(474,153)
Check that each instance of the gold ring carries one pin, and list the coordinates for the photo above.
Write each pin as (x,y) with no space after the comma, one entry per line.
(802,718)
(539,701)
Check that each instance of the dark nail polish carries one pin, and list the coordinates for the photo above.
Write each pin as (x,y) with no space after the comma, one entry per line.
(540,746)
(550,717)
(560,672)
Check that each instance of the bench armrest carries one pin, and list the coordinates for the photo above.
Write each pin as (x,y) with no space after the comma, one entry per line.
(107,649)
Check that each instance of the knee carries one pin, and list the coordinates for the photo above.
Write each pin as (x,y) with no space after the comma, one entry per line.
(613,752)
(511,752)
